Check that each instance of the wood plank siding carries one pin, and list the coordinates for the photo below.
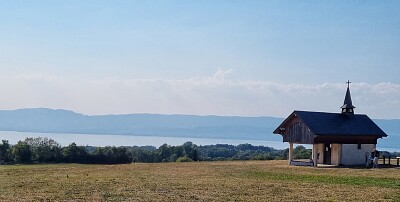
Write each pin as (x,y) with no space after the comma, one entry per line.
(298,132)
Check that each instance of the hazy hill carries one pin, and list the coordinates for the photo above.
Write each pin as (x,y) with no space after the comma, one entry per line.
(62,121)
(251,128)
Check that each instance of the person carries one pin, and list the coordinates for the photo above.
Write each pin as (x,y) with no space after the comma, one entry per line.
(376,158)
(370,159)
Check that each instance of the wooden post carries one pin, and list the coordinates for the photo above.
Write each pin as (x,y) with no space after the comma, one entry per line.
(314,154)
(290,153)
(339,154)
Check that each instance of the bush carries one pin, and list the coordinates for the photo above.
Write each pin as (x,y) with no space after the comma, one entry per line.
(221,159)
(184,159)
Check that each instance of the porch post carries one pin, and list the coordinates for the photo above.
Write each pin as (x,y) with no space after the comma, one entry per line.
(290,152)
(340,155)
(314,154)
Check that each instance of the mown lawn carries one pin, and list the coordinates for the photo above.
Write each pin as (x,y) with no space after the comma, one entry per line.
(197,181)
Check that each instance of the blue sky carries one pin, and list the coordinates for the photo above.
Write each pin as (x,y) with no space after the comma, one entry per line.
(248,58)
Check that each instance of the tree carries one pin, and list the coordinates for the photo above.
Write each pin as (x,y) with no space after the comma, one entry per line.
(285,153)
(122,155)
(44,149)
(187,147)
(194,155)
(5,152)
(98,156)
(74,154)
(178,151)
(190,150)
(300,152)
(164,152)
(173,158)
(22,152)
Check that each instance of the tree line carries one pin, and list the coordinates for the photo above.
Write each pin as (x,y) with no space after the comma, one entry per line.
(47,150)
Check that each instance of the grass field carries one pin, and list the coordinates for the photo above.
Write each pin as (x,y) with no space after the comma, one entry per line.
(197,181)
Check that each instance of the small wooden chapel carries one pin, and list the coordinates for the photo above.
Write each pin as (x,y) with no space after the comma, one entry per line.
(337,138)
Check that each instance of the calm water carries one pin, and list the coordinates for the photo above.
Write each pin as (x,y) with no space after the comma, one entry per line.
(125,140)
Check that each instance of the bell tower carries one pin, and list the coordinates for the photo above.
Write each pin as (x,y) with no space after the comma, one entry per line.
(348,107)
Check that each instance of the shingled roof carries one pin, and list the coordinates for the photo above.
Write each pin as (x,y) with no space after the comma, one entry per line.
(336,124)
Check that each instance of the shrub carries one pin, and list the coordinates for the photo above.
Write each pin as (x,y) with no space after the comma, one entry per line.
(184,159)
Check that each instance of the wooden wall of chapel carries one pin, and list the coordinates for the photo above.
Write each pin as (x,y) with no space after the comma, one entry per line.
(297,132)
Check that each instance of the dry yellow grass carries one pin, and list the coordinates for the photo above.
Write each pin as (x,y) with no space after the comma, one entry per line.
(197,181)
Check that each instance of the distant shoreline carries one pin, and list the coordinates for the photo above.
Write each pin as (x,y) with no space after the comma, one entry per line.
(146,140)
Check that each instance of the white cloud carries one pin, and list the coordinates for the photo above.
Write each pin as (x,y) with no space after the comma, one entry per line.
(221,74)
(216,94)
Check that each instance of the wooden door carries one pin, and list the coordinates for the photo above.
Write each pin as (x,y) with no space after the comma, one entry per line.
(327,154)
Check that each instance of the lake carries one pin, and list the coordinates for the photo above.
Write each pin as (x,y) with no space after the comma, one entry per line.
(127,140)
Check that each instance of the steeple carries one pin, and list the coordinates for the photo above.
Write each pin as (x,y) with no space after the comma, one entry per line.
(348,107)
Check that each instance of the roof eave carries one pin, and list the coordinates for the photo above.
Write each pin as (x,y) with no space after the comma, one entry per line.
(278,129)
(352,135)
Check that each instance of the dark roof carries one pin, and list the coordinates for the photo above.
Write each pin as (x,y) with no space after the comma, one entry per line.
(322,123)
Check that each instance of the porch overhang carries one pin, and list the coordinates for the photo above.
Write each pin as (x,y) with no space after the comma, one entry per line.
(345,139)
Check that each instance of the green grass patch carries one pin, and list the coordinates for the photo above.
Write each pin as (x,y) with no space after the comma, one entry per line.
(345,180)
(196,181)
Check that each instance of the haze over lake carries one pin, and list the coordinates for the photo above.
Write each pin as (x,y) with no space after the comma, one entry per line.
(127,140)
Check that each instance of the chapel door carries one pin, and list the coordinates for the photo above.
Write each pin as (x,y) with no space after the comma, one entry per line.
(327,154)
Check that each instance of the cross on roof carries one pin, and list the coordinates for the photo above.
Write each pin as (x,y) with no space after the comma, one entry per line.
(348,83)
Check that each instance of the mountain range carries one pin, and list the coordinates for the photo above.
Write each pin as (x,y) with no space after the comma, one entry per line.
(43,120)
